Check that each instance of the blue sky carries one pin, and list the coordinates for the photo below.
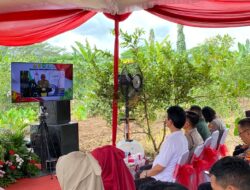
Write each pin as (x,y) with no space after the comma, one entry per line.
(98,31)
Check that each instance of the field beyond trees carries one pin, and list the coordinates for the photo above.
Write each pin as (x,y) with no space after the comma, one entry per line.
(94,132)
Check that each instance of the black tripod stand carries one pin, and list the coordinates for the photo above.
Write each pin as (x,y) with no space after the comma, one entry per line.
(47,161)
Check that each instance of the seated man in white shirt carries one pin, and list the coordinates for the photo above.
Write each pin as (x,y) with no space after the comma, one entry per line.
(171,150)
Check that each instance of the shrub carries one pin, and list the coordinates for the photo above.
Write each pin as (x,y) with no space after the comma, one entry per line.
(16,160)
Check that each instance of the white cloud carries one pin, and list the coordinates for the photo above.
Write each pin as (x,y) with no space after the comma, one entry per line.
(195,36)
(143,19)
(66,40)
(98,31)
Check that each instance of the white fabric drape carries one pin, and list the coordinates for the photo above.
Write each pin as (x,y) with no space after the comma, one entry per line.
(79,171)
(106,6)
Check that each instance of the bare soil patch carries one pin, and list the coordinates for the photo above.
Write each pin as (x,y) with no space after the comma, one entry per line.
(95,132)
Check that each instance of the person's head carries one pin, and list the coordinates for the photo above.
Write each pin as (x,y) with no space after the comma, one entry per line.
(244,130)
(247,113)
(191,120)
(176,117)
(43,77)
(208,113)
(230,173)
(196,109)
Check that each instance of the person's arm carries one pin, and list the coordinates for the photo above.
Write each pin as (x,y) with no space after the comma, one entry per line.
(162,160)
(153,171)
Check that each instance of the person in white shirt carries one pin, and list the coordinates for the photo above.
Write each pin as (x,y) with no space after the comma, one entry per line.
(171,150)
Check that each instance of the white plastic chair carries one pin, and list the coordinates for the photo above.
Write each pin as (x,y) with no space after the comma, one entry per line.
(214,141)
(222,148)
(197,151)
(132,147)
(224,136)
(182,160)
(207,142)
(206,177)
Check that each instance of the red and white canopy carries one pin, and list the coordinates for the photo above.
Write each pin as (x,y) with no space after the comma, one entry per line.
(24,22)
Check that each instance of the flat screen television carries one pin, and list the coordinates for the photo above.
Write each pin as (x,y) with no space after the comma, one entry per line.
(39,82)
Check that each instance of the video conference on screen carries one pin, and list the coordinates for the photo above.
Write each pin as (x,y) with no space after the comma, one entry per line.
(41,82)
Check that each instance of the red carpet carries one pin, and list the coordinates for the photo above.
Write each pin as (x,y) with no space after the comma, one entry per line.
(39,183)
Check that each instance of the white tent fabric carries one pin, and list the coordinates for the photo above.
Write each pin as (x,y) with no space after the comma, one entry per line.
(107,6)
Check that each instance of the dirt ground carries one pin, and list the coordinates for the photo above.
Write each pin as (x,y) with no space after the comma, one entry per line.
(94,132)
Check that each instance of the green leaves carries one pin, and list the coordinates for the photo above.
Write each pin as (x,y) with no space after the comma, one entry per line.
(236,132)
(14,150)
(226,71)
(181,44)
(94,87)
(212,73)
(17,119)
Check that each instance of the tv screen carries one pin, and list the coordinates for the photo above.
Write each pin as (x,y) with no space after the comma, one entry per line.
(38,82)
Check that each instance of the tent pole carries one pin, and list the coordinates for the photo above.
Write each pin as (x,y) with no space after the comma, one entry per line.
(115,94)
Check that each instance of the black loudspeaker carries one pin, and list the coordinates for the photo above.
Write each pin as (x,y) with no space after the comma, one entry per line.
(58,112)
(69,137)
(64,139)
(247,113)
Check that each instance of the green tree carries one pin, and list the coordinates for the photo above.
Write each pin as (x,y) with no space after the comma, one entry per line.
(213,73)
(180,44)
(94,75)
(242,68)
(168,78)
(225,65)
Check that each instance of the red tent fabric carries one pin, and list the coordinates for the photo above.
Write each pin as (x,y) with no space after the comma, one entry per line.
(210,14)
(26,25)
(25,22)
(29,27)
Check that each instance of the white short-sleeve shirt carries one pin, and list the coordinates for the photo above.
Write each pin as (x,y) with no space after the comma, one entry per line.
(171,150)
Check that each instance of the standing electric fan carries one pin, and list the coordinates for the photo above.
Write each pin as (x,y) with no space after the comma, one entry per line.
(130,86)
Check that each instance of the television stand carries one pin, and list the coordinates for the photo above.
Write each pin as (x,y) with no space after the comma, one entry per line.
(47,161)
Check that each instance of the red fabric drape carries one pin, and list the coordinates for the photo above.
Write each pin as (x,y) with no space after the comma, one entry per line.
(200,166)
(115,174)
(210,155)
(117,19)
(185,175)
(33,26)
(222,150)
(206,13)
(29,27)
